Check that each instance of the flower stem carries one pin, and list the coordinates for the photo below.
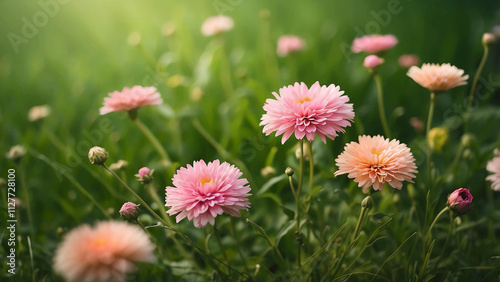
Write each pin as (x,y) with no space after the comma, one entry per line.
(297,199)
(161,205)
(435,220)
(311,167)
(474,84)
(237,240)
(428,128)
(381,109)
(217,236)
(26,197)
(153,213)
(365,206)
(153,141)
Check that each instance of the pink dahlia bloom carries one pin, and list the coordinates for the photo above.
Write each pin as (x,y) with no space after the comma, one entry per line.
(216,25)
(407,61)
(288,44)
(320,110)
(203,191)
(460,200)
(105,253)
(130,98)
(376,160)
(494,167)
(437,77)
(372,61)
(373,43)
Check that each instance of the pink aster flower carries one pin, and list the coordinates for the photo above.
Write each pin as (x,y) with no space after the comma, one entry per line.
(407,61)
(320,110)
(372,61)
(437,77)
(203,191)
(494,167)
(105,253)
(216,25)
(377,160)
(129,211)
(460,200)
(130,98)
(373,43)
(288,44)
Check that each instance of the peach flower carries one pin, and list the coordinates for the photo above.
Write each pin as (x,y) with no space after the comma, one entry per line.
(494,167)
(437,77)
(216,25)
(105,253)
(374,43)
(376,160)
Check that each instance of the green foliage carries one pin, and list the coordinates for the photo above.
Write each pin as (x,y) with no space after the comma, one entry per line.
(213,91)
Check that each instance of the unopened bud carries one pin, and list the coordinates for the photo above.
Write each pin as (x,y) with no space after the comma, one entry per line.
(97,155)
(488,38)
(15,153)
(145,175)
(129,211)
(268,171)
(367,202)
(460,201)
(289,171)
(437,137)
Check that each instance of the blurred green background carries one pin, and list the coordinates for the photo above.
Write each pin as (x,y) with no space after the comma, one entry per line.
(71,54)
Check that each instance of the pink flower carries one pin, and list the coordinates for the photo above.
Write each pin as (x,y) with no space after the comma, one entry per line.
(203,191)
(373,43)
(407,61)
(130,98)
(288,44)
(372,61)
(216,25)
(460,201)
(494,167)
(376,160)
(104,253)
(130,211)
(320,110)
(436,78)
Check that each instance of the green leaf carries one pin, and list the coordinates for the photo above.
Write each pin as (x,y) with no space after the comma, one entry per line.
(270,183)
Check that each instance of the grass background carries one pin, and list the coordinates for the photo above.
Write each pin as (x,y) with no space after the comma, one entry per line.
(81,54)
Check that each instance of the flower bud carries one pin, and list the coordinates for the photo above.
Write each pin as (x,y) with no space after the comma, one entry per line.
(129,211)
(367,202)
(38,112)
(372,61)
(145,175)
(417,124)
(488,38)
(268,171)
(121,164)
(97,155)
(437,137)
(289,171)
(15,153)
(460,201)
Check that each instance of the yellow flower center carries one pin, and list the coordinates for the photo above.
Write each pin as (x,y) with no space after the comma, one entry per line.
(375,152)
(306,99)
(206,180)
(99,242)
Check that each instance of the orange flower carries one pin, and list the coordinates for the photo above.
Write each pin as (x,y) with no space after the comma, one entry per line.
(376,160)
(438,78)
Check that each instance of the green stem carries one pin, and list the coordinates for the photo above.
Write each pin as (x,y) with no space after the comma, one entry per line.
(26,197)
(217,236)
(381,109)
(150,210)
(237,240)
(297,199)
(159,202)
(311,167)
(435,220)
(152,138)
(365,206)
(225,69)
(474,83)
(80,188)
(428,128)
